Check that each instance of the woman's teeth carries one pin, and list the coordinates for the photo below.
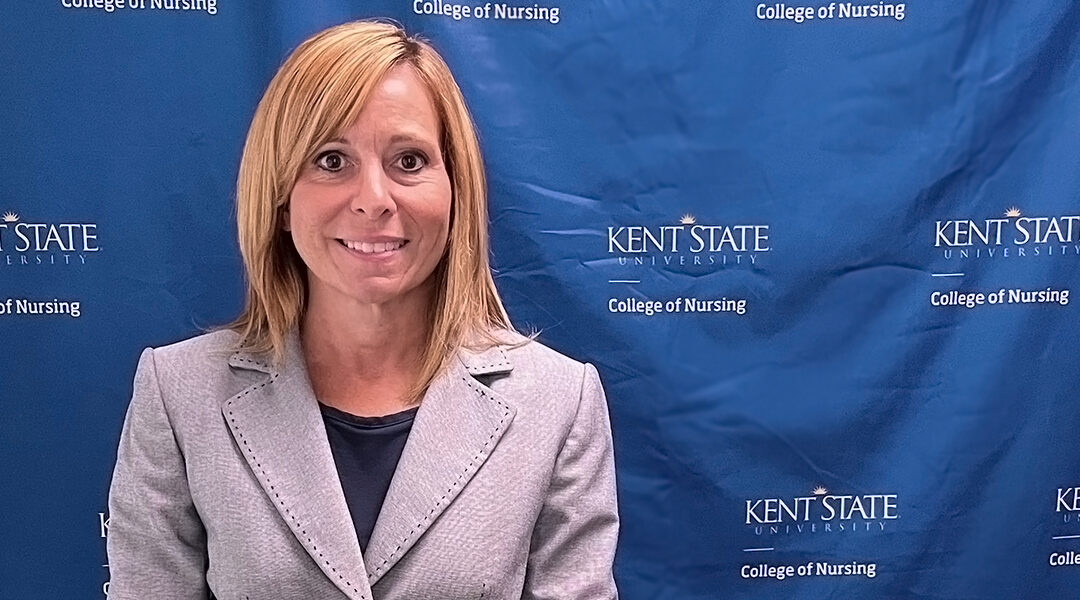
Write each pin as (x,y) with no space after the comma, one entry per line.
(373,248)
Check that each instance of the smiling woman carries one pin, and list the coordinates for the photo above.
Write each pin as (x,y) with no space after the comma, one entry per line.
(371,426)
(370,214)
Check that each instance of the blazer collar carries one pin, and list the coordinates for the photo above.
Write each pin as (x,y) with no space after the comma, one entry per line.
(278,427)
(478,362)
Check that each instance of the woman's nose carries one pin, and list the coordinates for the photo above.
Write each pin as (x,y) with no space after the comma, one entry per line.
(371,193)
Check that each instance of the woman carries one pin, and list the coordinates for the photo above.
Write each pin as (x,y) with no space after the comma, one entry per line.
(370,427)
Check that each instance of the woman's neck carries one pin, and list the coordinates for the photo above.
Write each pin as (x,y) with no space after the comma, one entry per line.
(363,358)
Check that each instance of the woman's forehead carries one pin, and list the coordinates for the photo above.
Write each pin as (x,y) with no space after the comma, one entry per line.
(399,108)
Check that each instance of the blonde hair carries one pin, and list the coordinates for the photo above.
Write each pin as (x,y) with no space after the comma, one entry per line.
(316,94)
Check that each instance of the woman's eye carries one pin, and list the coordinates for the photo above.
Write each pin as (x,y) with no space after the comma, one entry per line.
(411,162)
(330,161)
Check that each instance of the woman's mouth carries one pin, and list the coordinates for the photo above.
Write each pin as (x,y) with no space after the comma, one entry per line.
(374,248)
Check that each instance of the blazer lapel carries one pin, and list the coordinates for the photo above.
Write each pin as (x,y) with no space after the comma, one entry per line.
(279,430)
(459,423)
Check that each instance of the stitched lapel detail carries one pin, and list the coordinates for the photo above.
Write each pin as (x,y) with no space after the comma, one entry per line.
(279,430)
(457,427)
(486,362)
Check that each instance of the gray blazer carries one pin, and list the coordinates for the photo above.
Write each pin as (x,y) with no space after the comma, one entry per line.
(225,485)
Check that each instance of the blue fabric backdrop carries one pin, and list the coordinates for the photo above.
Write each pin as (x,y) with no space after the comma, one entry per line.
(823,266)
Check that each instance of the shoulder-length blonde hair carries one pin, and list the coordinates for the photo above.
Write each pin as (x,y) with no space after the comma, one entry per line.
(316,94)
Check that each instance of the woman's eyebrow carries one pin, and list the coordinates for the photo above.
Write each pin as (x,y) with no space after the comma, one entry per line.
(409,137)
(394,139)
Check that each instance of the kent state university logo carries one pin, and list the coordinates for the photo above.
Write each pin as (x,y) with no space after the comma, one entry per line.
(103,528)
(1064,538)
(821,512)
(688,245)
(1067,507)
(29,243)
(1011,236)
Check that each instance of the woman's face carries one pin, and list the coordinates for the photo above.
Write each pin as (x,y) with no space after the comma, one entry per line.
(370,212)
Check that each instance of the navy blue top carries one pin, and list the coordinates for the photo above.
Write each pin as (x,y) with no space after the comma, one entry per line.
(366,452)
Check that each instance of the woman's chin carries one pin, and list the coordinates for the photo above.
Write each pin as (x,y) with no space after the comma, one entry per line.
(382,292)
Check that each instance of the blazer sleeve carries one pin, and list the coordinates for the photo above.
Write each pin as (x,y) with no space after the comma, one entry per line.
(573,543)
(156,541)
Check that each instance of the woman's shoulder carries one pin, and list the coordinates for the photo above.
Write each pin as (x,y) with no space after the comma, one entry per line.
(199,351)
(191,378)
(548,388)
(529,362)
(197,363)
